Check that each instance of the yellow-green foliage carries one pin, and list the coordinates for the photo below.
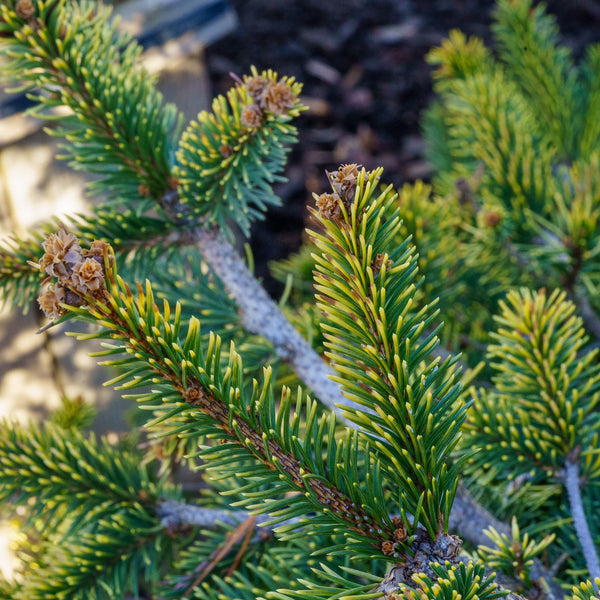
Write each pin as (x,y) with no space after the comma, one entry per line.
(586,591)
(509,227)
(547,387)
(513,555)
(226,165)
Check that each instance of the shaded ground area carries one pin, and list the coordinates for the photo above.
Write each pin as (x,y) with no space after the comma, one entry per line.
(365,78)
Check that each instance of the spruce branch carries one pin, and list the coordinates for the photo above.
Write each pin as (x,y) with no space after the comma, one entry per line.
(572,484)
(547,383)
(471,520)
(174,514)
(547,388)
(73,475)
(229,158)
(260,315)
(119,127)
(487,108)
(591,125)
(373,331)
(576,292)
(528,43)
(97,506)
(214,175)
(216,405)
(115,555)
(467,517)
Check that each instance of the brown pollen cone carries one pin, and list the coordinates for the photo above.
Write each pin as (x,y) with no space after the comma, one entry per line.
(328,206)
(98,250)
(251,116)
(344,181)
(25,9)
(278,98)
(88,276)
(49,303)
(62,253)
(388,548)
(400,531)
(256,86)
(80,273)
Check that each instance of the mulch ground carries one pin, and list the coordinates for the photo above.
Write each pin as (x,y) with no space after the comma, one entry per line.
(366,80)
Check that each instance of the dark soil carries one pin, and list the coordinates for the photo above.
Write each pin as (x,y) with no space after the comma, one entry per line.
(366,81)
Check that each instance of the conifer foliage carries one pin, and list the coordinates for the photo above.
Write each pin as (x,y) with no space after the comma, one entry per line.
(299,498)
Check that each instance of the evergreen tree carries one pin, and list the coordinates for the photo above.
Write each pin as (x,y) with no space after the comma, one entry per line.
(329,469)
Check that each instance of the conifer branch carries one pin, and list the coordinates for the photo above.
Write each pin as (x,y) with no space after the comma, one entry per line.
(148,180)
(471,519)
(260,315)
(120,128)
(373,329)
(214,402)
(115,554)
(587,313)
(467,517)
(174,514)
(229,158)
(84,476)
(404,403)
(582,528)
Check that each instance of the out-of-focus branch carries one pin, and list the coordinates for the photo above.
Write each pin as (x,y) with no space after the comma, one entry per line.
(174,514)
(587,313)
(579,520)
(470,519)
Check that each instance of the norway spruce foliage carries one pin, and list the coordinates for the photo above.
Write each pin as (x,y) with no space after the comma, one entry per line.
(331,471)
